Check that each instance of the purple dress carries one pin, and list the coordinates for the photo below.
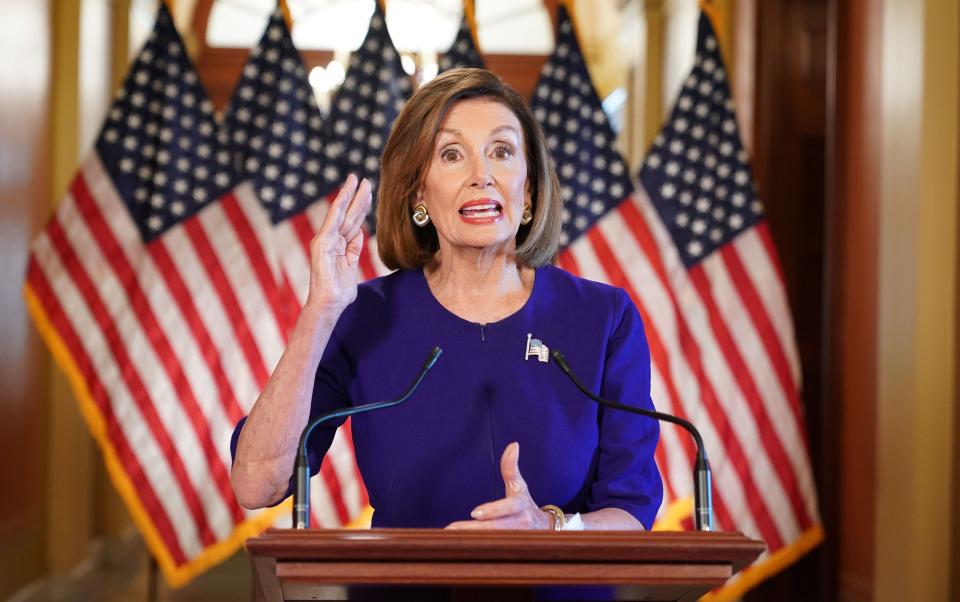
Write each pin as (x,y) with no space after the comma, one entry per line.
(429,461)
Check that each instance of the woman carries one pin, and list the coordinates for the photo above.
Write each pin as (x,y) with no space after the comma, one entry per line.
(469,214)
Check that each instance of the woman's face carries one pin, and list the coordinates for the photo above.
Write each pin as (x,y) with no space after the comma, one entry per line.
(476,183)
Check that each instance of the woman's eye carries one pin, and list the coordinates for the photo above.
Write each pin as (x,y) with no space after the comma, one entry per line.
(503,151)
(449,154)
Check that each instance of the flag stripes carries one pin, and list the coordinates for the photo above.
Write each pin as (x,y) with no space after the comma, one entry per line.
(49,296)
(174,270)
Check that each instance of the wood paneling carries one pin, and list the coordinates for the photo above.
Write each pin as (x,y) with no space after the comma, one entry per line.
(854,232)
(790,164)
(24,89)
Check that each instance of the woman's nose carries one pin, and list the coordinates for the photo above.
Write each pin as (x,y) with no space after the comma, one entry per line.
(480,174)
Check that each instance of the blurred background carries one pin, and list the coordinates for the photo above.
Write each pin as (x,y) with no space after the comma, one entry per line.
(848,108)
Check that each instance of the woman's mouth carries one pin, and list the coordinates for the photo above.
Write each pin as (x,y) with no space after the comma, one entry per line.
(481,211)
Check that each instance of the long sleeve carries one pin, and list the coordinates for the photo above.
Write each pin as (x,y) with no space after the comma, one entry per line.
(627,476)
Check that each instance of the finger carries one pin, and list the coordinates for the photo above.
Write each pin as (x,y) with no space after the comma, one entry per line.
(510,469)
(501,508)
(338,208)
(355,248)
(359,207)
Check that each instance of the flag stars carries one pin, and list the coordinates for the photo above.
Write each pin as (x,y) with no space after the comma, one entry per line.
(155,222)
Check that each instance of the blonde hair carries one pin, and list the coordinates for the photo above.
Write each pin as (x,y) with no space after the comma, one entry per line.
(407,156)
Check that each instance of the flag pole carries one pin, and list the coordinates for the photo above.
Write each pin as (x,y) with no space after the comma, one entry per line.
(470,14)
(717,19)
(572,13)
(152,578)
(285,11)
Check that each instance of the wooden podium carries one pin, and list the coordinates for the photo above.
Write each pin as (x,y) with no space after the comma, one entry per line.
(296,565)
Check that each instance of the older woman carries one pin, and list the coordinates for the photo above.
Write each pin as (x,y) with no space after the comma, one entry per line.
(469,216)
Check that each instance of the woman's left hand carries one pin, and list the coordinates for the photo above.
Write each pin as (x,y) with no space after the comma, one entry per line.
(517,510)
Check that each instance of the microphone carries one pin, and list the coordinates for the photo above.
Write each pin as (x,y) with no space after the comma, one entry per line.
(703,498)
(301,469)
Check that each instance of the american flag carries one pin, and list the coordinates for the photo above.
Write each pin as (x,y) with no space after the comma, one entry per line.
(274,130)
(463,52)
(152,286)
(693,250)
(350,140)
(374,91)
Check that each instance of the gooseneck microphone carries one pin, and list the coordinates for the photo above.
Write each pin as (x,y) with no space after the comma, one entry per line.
(703,498)
(301,492)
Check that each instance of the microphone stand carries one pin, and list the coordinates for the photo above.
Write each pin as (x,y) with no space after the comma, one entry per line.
(301,469)
(703,497)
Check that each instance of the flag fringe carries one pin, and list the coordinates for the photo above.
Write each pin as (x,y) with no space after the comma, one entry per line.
(176,576)
(755,574)
(752,576)
(672,519)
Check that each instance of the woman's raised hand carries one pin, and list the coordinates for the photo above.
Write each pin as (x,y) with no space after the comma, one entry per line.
(335,250)
(517,510)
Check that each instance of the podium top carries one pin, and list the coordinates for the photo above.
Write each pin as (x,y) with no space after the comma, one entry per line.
(424,545)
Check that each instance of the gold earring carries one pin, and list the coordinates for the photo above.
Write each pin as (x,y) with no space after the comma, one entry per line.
(420,216)
(527,216)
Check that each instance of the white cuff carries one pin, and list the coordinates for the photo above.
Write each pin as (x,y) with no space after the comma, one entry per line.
(574,523)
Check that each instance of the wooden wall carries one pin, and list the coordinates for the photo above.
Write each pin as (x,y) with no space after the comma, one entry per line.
(789,153)
(24,91)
